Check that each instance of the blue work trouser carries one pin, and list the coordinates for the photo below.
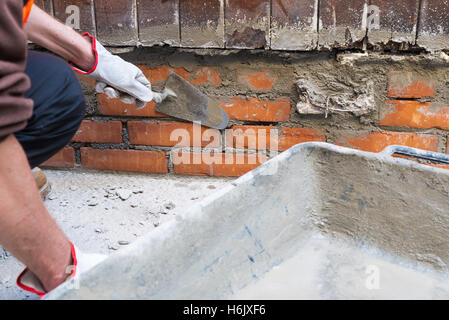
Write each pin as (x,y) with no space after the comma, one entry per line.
(59,107)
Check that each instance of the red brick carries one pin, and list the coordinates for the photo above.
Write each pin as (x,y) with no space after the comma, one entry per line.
(247,24)
(410,85)
(397,21)
(434,25)
(288,137)
(341,23)
(256,80)
(86,14)
(201,75)
(260,138)
(160,134)
(294,24)
(116,22)
(158,22)
(205,75)
(229,164)
(253,109)
(46,5)
(377,141)
(124,160)
(85,81)
(415,114)
(201,23)
(252,137)
(63,159)
(160,74)
(114,107)
(99,132)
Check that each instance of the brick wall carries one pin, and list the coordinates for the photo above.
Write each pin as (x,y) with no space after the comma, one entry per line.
(269,24)
(408,103)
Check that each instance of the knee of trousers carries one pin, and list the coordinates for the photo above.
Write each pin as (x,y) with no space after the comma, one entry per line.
(59,107)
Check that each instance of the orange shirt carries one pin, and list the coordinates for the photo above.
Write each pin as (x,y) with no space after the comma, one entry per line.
(27,10)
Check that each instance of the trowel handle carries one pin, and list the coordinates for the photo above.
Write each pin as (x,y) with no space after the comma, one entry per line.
(417,153)
(159,97)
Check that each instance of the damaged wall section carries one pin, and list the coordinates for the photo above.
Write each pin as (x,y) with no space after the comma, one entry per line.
(359,100)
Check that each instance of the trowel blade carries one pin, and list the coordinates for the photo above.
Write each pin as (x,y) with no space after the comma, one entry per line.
(192,105)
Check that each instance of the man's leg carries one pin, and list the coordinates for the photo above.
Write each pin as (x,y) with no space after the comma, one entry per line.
(26,228)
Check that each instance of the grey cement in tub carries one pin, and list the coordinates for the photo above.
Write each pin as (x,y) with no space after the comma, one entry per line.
(330,213)
(328,268)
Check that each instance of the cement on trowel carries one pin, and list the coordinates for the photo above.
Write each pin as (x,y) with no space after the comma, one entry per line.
(188,103)
(332,213)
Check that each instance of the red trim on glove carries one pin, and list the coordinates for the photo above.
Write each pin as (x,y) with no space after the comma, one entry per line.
(75,261)
(94,48)
(42,294)
(26,288)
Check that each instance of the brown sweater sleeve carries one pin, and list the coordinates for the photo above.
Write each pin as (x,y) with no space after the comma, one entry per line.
(15,110)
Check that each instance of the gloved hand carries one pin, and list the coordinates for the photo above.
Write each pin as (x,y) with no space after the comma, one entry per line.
(82,262)
(118,78)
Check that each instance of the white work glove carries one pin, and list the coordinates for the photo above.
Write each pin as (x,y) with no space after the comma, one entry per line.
(82,262)
(117,78)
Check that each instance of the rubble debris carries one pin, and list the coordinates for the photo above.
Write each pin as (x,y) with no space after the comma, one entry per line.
(314,100)
(52,196)
(64,203)
(111,196)
(92,202)
(4,254)
(169,206)
(124,194)
(154,218)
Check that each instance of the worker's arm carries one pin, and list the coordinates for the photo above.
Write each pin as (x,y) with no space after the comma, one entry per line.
(114,76)
(43,29)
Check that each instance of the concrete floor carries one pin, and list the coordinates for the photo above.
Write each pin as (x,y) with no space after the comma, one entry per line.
(102,212)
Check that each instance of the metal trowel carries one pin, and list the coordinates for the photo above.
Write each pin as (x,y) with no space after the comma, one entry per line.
(182,100)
